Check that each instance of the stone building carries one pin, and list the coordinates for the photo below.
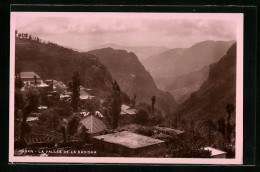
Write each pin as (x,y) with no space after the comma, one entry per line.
(126,143)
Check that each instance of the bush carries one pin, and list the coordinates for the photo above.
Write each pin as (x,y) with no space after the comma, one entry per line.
(92,105)
(72,125)
(156,119)
(147,131)
(63,109)
(50,118)
(19,144)
(141,117)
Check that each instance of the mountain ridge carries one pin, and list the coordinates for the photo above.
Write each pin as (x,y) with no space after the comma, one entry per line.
(132,77)
(193,58)
(142,52)
(57,62)
(215,93)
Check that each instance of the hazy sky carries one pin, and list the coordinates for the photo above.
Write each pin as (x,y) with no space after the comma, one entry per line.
(86,30)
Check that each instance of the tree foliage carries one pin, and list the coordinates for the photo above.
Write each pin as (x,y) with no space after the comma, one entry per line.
(141,117)
(32,102)
(189,146)
(153,99)
(63,109)
(112,106)
(72,125)
(18,82)
(209,128)
(75,90)
(92,105)
(222,126)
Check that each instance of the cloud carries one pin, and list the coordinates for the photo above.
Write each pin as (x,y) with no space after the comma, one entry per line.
(92,29)
(183,27)
(58,25)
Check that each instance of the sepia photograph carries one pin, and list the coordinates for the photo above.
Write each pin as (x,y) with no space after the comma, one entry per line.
(118,87)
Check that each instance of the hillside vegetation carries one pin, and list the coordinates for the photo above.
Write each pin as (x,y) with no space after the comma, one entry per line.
(51,61)
(133,78)
(210,101)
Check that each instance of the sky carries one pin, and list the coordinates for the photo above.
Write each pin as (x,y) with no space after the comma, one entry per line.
(84,31)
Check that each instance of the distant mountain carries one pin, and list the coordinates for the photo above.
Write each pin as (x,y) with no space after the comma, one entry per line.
(141,52)
(133,78)
(182,86)
(209,102)
(179,61)
(52,61)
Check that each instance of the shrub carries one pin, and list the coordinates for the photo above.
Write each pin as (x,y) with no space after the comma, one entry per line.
(63,109)
(147,131)
(72,125)
(141,117)
(50,118)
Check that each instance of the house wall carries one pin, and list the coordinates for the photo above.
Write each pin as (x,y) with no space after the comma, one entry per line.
(123,150)
(28,79)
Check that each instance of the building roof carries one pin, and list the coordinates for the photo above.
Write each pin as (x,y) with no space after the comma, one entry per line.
(42,84)
(59,84)
(84,95)
(127,110)
(214,151)
(128,139)
(29,119)
(28,75)
(93,124)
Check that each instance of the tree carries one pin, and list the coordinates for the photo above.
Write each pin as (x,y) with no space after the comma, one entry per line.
(75,90)
(54,120)
(133,102)
(112,106)
(69,86)
(229,109)
(63,131)
(85,136)
(141,117)
(175,122)
(92,105)
(189,146)
(18,82)
(19,99)
(43,95)
(19,102)
(63,109)
(156,118)
(153,102)
(32,102)
(72,126)
(16,31)
(35,80)
(222,127)
(209,128)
